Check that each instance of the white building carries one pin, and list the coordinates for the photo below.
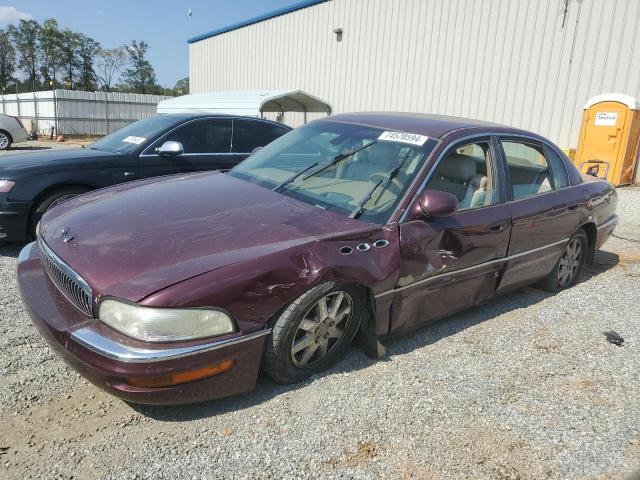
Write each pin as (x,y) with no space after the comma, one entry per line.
(526,63)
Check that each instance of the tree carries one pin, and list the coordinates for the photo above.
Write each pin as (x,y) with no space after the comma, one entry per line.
(87,51)
(25,39)
(140,76)
(109,64)
(49,43)
(70,43)
(7,60)
(182,87)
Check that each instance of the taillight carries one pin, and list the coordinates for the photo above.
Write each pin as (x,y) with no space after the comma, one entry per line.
(19,121)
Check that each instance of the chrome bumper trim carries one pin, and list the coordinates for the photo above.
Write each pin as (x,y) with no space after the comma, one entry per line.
(116,351)
(613,220)
(25,253)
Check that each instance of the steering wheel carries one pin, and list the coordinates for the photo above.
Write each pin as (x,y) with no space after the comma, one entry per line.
(376,177)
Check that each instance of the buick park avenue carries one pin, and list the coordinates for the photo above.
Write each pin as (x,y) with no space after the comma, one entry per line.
(181,289)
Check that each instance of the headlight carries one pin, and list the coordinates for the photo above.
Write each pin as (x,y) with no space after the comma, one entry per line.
(164,324)
(6,185)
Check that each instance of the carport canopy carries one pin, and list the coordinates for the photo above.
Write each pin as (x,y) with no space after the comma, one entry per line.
(253,103)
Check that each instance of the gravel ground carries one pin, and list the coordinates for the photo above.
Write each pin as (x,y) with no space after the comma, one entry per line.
(525,387)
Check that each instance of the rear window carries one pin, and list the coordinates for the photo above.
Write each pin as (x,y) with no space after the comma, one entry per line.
(250,134)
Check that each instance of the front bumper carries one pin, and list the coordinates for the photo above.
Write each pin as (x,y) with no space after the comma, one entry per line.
(107,358)
(14,217)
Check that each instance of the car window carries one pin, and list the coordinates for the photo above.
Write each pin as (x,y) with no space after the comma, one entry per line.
(356,170)
(529,169)
(134,136)
(467,173)
(560,175)
(202,136)
(250,134)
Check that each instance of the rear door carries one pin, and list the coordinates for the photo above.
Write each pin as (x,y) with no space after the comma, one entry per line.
(206,143)
(543,208)
(448,264)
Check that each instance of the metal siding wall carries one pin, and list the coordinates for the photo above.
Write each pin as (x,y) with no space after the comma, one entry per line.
(81,112)
(508,61)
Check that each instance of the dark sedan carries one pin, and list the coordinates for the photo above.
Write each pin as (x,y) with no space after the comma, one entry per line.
(30,184)
(178,290)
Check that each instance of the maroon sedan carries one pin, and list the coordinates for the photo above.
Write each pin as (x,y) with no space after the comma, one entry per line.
(179,289)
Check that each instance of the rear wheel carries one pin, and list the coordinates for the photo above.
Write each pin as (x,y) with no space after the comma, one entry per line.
(313,332)
(5,140)
(570,264)
(51,200)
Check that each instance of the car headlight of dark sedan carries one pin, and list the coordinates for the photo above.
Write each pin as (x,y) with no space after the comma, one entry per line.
(164,324)
(6,185)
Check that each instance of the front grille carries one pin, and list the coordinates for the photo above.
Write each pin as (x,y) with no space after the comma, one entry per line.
(72,286)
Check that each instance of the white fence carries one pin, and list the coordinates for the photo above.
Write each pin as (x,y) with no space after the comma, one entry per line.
(78,113)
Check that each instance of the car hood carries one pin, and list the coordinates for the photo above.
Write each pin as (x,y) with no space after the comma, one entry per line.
(133,240)
(11,165)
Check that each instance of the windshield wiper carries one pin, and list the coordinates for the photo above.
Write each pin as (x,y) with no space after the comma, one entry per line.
(365,198)
(338,159)
(293,177)
(384,181)
(323,167)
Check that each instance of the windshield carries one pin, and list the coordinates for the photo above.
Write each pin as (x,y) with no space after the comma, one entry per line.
(134,135)
(357,170)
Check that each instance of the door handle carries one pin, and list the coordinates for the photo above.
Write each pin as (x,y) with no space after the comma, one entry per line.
(498,227)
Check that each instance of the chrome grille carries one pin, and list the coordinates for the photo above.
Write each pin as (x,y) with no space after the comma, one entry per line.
(72,286)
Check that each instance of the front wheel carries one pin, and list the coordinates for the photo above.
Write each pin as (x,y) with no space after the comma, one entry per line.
(569,266)
(313,332)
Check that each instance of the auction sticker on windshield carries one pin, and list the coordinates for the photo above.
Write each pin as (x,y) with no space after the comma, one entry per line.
(132,139)
(403,137)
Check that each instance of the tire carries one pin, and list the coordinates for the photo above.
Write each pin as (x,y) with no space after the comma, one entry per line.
(51,200)
(299,323)
(570,264)
(5,140)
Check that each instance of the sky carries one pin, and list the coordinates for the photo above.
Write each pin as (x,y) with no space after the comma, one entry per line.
(163,24)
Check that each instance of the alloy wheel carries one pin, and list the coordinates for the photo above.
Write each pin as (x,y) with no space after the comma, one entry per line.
(322,329)
(570,262)
(4,141)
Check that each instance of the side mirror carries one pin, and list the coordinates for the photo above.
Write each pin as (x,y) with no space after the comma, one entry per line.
(435,204)
(170,148)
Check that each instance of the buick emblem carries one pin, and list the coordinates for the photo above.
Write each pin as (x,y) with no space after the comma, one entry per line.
(66,235)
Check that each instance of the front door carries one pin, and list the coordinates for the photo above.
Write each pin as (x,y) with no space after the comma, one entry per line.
(206,143)
(448,264)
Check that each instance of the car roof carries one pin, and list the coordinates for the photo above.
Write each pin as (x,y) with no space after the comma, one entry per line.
(434,126)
